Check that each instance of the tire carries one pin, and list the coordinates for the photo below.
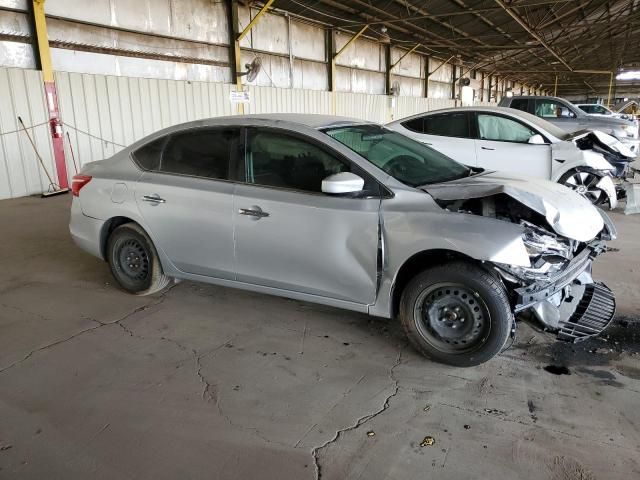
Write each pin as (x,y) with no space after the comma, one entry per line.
(134,261)
(460,294)
(583,182)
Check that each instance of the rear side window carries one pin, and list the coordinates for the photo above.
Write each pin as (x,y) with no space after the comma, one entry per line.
(520,104)
(148,156)
(200,153)
(415,125)
(448,125)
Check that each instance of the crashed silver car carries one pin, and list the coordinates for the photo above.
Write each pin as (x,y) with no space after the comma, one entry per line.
(349,214)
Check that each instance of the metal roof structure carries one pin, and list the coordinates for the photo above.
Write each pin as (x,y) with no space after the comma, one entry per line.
(574,43)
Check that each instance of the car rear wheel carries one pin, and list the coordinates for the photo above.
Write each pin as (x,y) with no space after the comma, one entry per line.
(584,183)
(456,314)
(134,261)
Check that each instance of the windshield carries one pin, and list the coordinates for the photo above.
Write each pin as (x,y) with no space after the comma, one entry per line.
(405,159)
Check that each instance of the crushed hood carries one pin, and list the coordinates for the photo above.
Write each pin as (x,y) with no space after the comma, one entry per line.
(568,213)
(603,140)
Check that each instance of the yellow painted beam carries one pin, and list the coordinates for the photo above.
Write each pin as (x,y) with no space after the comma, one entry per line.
(610,85)
(404,55)
(43,40)
(253,22)
(351,40)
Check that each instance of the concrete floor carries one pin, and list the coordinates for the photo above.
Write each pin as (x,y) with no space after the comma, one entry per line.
(207,382)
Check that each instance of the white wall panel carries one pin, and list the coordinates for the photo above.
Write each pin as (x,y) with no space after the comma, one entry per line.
(359,105)
(203,20)
(103,113)
(441,73)
(410,66)
(308,41)
(281,100)
(361,53)
(23,95)
(439,90)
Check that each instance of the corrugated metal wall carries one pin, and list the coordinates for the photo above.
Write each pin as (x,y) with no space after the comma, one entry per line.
(22,95)
(103,113)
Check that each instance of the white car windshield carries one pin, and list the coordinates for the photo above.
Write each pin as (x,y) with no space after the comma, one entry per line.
(405,159)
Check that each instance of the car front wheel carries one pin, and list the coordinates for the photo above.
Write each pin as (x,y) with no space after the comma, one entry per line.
(584,183)
(134,262)
(457,314)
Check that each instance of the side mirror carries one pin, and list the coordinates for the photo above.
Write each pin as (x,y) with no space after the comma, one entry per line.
(536,139)
(344,182)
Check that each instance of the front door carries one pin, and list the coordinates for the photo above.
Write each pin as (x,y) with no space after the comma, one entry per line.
(187,201)
(502,145)
(290,235)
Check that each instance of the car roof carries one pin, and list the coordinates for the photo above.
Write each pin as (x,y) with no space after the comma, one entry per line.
(291,120)
(503,110)
(306,119)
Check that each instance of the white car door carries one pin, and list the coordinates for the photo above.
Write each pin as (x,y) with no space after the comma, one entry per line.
(448,133)
(502,144)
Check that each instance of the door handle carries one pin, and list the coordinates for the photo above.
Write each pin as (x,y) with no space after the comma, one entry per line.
(155,199)
(487,148)
(254,212)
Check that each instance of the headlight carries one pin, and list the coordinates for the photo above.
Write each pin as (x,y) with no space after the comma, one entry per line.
(548,254)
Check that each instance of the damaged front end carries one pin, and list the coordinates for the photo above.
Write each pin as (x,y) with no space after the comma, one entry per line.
(558,290)
(616,153)
(562,235)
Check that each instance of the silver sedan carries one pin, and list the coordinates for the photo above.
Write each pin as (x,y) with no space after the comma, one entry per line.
(350,214)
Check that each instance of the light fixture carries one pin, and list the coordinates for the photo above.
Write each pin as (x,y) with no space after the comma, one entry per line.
(629,75)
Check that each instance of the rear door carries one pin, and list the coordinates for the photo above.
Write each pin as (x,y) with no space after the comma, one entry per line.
(290,235)
(502,144)
(448,133)
(186,199)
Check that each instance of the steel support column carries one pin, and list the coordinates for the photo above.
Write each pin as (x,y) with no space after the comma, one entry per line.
(235,58)
(387,69)
(44,62)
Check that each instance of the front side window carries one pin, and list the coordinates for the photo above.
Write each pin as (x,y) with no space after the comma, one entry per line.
(276,159)
(494,127)
(200,153)
(552,109)
(407,160)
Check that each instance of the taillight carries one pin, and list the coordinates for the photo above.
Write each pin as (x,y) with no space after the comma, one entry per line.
(78,182)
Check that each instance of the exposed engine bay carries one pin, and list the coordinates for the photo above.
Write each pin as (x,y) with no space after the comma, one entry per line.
(557,290)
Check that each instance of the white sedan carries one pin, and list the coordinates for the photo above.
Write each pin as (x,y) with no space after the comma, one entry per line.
(510,140)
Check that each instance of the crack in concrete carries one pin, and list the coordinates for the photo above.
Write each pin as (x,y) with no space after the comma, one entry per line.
(315,452)
(81,332)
